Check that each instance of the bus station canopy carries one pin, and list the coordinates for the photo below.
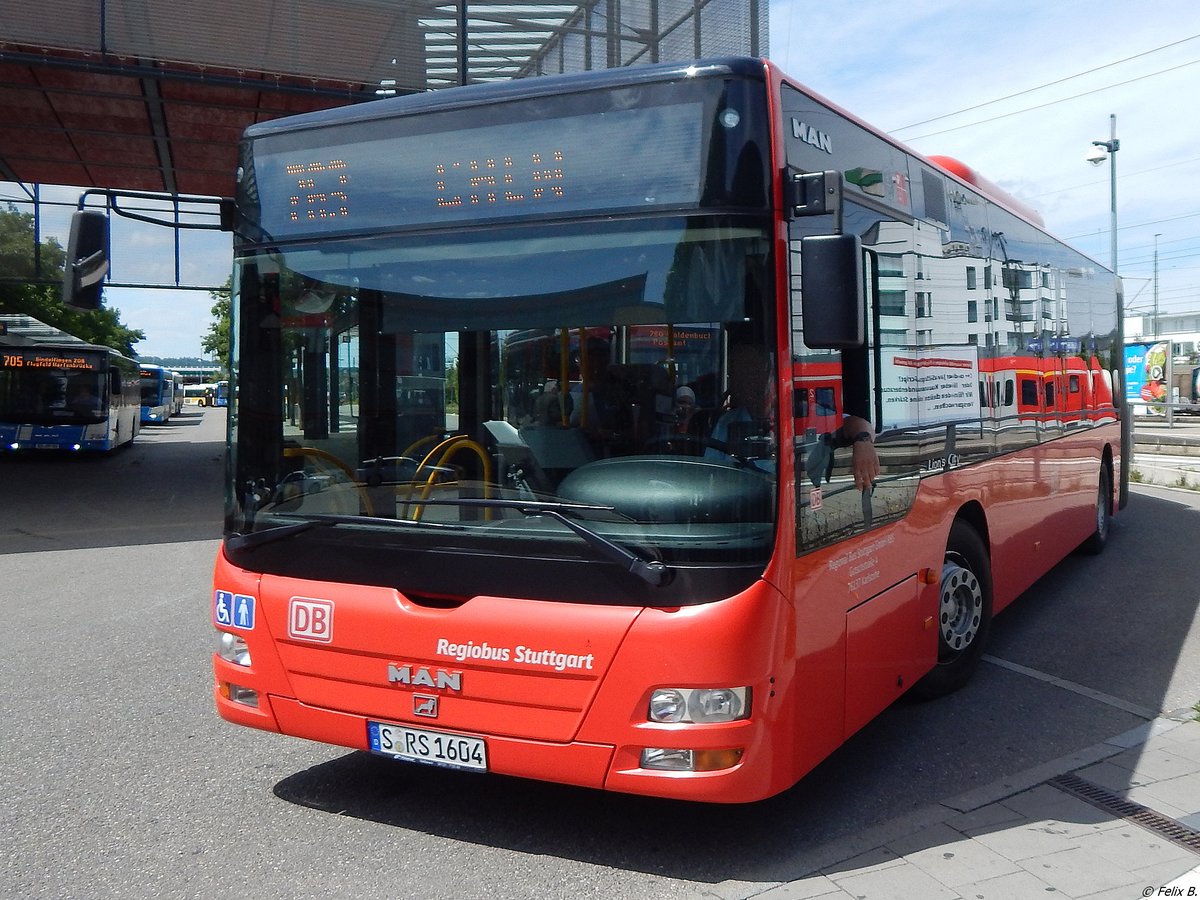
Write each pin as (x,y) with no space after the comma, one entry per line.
(152,95)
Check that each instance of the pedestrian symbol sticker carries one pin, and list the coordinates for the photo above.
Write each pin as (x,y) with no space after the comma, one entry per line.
(233,610)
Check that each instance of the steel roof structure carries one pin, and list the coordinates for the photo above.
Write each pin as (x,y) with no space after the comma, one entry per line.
(20,330)
(152,95)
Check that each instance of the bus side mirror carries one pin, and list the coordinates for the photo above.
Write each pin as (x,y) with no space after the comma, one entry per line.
(87,259)
(832,286)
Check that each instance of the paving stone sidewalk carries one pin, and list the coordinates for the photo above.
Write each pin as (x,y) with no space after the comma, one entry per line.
(1116,821)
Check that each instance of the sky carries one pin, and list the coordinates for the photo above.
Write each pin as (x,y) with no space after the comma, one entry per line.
(1018,90)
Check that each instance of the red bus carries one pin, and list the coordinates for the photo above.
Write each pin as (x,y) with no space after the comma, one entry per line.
(565,600)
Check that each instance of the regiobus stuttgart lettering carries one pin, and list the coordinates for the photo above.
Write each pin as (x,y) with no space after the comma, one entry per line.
(549,659)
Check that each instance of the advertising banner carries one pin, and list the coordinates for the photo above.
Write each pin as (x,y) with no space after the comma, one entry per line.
(1146,372)
(929,386)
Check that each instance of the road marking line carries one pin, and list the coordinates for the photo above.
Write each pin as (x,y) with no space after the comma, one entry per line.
(1143,712)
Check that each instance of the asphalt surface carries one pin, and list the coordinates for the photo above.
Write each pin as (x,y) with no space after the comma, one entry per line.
(118,778)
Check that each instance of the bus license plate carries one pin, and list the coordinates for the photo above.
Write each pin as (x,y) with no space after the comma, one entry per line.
(438,748)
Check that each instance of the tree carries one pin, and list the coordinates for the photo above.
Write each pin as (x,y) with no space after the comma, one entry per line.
(32,287)
(216,342)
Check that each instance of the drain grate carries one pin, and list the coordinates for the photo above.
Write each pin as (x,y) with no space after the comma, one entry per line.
(1104,799)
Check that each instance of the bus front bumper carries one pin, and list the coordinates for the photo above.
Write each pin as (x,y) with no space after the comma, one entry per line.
(577,763)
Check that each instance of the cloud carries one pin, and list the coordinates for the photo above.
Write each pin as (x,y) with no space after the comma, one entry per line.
(896,64)
(175,322)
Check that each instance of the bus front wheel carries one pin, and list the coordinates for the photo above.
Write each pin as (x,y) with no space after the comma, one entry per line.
(964,613)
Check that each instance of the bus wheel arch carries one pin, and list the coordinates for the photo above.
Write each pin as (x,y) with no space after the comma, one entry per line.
(964,606)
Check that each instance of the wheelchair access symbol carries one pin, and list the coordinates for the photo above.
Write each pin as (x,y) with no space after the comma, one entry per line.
(233,610)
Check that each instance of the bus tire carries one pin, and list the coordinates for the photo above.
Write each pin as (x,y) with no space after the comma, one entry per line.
(964,613)
(1098,539)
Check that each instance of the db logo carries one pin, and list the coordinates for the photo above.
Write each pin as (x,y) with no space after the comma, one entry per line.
(310,620)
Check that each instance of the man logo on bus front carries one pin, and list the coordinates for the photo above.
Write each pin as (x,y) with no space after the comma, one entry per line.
(425,705)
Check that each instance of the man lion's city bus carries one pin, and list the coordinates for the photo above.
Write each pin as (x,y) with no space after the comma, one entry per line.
(158,393)
(67,397)
(448,580)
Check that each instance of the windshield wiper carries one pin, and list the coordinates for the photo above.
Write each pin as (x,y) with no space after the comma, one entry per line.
(652,571)
(253,539)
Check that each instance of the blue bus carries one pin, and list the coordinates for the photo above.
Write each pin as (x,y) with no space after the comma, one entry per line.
(158,394)
(177,393)
(67,397)
(222,394)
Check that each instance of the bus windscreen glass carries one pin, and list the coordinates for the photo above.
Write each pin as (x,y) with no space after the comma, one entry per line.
(51,386)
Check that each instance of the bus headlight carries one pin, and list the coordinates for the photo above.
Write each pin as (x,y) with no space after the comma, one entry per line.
(699,705)
(669,759)
(238,694)
(232,648)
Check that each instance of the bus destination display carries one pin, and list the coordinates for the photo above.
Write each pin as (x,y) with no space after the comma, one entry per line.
(569,165)
(13,358)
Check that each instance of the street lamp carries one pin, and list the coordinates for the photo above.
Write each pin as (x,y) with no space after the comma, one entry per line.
(1102,150)
(1156,237)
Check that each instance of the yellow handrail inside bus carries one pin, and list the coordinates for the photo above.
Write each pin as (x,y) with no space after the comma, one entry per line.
(449,447)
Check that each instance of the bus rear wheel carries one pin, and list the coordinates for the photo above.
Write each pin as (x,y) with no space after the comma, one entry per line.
(1099,538)
(964,613)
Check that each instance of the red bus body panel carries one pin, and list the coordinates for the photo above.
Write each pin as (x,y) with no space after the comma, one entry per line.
(585,726)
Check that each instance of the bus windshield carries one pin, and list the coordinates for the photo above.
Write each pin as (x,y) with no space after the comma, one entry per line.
(617,371)
(469,331)
(53,387)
